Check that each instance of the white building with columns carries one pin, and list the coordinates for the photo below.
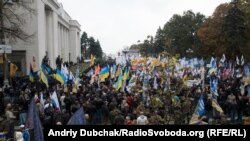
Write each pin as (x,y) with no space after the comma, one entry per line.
(54,32)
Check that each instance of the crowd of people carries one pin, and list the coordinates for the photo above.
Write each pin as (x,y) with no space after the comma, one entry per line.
(165,100)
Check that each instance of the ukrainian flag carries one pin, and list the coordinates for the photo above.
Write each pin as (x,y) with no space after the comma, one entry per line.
(44,78)
(118,84)
(199,111)
(118,71)
(104,73)
(31,74)
(60,77)
(126,74)
(47,69)
(216,106)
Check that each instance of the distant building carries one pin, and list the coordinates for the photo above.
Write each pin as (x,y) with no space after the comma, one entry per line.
(127,55)
(133,53)
(54,32)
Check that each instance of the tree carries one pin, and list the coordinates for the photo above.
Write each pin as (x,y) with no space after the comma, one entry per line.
(244,6)
(90,46)
(84,43)
(99,53)
(220,32)
(180,32)
(159,41)
(11,22)
(147,47)
(234,31)
(134,46)
(95,48)
(210,33)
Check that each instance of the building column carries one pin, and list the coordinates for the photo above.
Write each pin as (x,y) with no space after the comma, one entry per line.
(62,44)
(59,40)
(67,45)
(49,37)
(56,38)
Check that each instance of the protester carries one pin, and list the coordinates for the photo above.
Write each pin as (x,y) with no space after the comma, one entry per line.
(130,97)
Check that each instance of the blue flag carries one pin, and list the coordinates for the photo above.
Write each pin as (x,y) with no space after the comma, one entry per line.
(214,86)
(33,122)
(78,118)
(200,111)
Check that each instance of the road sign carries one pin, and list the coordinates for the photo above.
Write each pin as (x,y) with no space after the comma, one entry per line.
(5,49)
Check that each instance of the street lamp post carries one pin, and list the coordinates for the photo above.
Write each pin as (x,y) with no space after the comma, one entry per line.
(85,48)
(189,51)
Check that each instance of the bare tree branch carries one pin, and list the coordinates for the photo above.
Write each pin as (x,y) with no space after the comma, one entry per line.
(12,22)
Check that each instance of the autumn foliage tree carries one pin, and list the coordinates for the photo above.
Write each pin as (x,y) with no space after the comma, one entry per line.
(210,33)
(225,31)
(176,37)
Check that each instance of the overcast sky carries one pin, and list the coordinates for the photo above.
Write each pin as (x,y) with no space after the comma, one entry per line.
(120,23)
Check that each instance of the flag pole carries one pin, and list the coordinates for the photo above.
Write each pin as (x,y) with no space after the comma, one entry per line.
(5,68)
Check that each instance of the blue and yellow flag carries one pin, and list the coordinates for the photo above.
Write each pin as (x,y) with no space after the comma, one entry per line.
(44,78)
(118,84)
(31,74)
(60,77)
(126,74)
(118,71)
(199,112)
(104,73)
(47,69)
(217,106)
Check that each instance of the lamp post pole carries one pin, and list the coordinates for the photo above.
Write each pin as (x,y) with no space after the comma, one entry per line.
(189,51)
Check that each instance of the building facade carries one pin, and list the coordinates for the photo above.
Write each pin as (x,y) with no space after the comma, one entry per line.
(53,33)
(126,55)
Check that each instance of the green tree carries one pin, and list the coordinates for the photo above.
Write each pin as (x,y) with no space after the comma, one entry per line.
(244,5)
(90,46)
(84,43)
(159,43)
(147,47)
(180,32)
(234,31)
(94,48)
(99,53)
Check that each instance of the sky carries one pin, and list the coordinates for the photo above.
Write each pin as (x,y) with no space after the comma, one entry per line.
(120,23)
